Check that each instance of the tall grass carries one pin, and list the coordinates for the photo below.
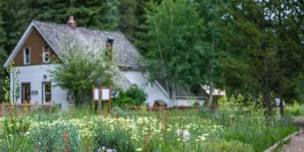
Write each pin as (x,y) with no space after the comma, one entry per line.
(233,128)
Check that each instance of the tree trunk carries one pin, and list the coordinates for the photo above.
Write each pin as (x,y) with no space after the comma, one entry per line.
(266,83)
(267,104)
(210,100)
(281,108)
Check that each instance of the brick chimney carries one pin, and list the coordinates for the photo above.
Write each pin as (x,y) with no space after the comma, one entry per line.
(71,22)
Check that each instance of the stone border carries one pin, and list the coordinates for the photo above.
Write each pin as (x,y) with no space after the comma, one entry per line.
(277,144)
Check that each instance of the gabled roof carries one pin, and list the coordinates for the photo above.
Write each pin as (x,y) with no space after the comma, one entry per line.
(56,35)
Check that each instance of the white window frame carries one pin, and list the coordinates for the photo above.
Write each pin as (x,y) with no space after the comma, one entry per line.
(24,56)
(44,52)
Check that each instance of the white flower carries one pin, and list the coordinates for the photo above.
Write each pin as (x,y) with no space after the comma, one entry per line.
(184,134)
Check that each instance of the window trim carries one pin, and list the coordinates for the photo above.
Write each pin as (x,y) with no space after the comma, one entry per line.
(30,92)
(43,91)
(24,56)
(43,57)
(44,52)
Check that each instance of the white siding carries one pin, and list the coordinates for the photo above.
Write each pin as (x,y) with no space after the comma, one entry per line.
(187,102)
(154,91)
(36,74)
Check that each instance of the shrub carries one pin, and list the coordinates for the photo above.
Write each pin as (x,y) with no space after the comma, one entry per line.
(228,146)
(116,139)
(118,112)
(133,96)
(57,137)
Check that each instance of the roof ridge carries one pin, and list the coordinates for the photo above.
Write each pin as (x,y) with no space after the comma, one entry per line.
(78,27)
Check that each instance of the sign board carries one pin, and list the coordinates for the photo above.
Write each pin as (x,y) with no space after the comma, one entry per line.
(96,94)
(278,101)
(105,94)
(34,92)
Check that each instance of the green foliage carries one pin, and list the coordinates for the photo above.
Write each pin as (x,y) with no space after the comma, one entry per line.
(267,60)
(228,146)
(128,19)
(176,53)
(115,139)
(247,124)
(13,134)
(133,96)
(81,71)
(118,112)
(58,137)
(3,56)
(295,109)
(234,124)
(15,126)
(94,13)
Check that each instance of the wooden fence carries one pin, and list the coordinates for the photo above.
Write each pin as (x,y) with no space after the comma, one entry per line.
(6,108)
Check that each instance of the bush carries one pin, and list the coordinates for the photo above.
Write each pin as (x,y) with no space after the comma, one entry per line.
(118,112)
(295,110)
(228,146)
(57,137)
(133,96)
(117,139)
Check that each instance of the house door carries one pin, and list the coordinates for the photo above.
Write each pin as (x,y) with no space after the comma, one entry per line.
(25,92)
(46,92)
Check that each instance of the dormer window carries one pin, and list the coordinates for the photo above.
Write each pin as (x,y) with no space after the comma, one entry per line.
(109,46)
(26,56)
(46,54)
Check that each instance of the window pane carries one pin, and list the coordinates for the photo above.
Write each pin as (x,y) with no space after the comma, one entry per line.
(27,56)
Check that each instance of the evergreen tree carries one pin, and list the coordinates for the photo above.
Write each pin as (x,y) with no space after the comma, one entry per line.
(17,15)
(251,37)
(3,56)
(128,20)
(264,39)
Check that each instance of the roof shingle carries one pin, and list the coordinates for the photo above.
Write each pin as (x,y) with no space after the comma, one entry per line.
(124,53)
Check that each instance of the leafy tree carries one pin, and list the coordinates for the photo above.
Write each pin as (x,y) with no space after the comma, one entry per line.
(176,52)
(81,71)
(211,12)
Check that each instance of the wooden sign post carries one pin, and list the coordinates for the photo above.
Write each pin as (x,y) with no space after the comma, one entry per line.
(106,94)
(96,98)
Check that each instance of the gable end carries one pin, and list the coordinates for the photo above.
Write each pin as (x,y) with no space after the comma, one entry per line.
(34,41)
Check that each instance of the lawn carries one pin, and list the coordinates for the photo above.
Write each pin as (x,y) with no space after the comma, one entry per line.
(233,128)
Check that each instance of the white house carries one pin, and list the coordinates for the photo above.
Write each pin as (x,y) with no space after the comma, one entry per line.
(43,42)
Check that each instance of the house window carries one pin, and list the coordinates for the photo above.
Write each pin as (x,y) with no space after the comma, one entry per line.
(25,92)
(46,92)
(46,54)
(27,56)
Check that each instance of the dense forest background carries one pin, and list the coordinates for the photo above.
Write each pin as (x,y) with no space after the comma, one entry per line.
(249,47)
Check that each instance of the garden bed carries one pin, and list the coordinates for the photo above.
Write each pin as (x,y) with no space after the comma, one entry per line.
(230,129)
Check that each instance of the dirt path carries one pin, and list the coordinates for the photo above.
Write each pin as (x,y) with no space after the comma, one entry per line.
(296,143)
